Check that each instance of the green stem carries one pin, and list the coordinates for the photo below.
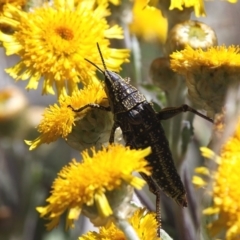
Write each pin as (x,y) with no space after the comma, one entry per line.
(176,97)
(136,52)
(127,229)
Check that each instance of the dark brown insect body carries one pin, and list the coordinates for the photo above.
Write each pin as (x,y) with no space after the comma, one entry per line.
(141,128)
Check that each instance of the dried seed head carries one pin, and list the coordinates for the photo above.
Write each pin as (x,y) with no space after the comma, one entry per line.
(193,33)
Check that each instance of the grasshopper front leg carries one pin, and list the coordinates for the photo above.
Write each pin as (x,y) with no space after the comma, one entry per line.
(91,105)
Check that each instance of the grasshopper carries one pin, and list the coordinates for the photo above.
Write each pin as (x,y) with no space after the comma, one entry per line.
(141,127)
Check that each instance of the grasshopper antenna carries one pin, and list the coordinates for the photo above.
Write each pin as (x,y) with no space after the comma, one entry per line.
(99,50)
(104,65)
(98,68)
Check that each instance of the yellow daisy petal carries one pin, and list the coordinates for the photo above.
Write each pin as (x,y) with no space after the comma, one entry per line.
(207,153)
(72,216)
(102,204)
(136,182)
(198,182)
(53,42)
(202,170)
(75,187)
(210,211)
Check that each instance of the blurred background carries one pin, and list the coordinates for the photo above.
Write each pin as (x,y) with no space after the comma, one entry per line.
(26,176)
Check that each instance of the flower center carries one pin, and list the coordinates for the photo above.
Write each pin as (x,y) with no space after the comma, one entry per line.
(64,33)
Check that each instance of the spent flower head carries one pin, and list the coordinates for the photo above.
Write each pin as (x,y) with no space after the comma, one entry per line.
(59,119)
(208,74)
(87,183)
(193,33)
(53,40)
(225,190)
(144,223)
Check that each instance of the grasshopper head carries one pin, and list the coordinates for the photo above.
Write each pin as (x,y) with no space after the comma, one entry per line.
(115,85)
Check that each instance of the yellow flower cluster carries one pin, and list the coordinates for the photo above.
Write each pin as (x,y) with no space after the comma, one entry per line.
(225,192)
(75,187)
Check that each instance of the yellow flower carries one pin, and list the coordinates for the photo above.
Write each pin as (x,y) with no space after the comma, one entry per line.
(148,22)
(52,42)
(87,183)
(144,224)
(198,6)
(58,120)
(208,74)
(226,191)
